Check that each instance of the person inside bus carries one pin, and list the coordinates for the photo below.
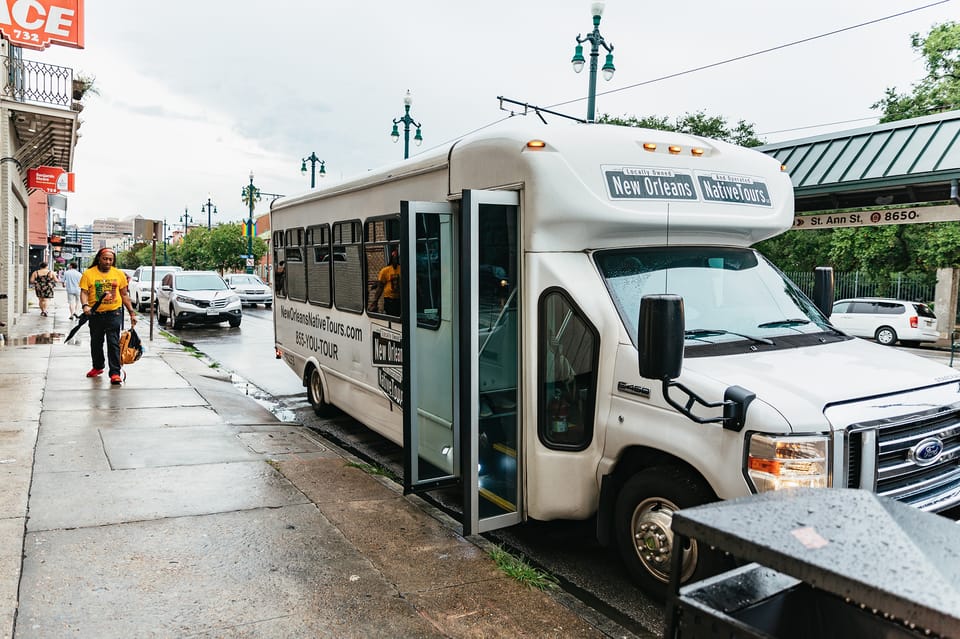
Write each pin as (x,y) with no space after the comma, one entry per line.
(388,285)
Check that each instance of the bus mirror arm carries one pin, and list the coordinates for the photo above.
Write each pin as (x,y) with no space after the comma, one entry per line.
(736,399)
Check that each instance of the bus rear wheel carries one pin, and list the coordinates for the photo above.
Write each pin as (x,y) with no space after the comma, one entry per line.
(642,519)
(315,394)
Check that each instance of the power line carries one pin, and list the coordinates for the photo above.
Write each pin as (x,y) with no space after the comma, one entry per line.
(756,53)
(817,126)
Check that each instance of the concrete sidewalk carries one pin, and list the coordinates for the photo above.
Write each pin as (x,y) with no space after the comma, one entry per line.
(177,506)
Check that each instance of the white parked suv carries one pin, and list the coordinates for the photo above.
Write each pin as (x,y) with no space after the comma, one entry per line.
(886,320)
(197,297)
(139,284)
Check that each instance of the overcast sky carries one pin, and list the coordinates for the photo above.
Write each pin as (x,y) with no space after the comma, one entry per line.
(195,95)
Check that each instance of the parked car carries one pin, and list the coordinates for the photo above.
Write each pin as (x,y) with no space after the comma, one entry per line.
(886,320)
(139,284)
(197,297)
(250,288)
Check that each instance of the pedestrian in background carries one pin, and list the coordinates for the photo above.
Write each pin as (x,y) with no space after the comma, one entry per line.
(279,278)
(43,283)
(106,284)
(71,281)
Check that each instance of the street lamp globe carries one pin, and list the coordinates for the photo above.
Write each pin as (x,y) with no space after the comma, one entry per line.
(578,59)
(303,168)
(608,68)
(395,134)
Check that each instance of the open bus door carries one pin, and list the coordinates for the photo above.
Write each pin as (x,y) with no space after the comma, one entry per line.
(461,365)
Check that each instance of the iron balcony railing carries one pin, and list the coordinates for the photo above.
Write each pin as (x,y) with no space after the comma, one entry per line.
(37,82)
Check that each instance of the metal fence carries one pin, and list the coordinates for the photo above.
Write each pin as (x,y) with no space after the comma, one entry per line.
(916,288)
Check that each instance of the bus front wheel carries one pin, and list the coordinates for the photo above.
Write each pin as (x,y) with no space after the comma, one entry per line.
(644,512)
(315,394)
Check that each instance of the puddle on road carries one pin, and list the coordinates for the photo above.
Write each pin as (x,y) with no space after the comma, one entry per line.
(39,338)
(265,399)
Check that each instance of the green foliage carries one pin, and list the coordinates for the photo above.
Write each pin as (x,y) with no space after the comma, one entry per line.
(217,249)
(698,123)
(521,571)
(939,90)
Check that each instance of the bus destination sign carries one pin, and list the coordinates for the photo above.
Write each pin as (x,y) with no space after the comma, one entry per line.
(734,189)
(648,183)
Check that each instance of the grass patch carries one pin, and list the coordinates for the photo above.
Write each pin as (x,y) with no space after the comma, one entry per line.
(173,339)
(215,365)
(521,571)
(373,469)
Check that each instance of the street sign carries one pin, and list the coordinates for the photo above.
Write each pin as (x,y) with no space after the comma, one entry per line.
(249,261)
(877,217)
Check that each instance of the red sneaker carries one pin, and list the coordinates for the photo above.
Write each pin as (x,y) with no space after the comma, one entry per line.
(115,380)
(94,372)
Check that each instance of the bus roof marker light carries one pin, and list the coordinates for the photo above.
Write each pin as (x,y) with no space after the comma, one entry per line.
(674,149)
(696,152)
(783,167)
(649,146)
(536,144)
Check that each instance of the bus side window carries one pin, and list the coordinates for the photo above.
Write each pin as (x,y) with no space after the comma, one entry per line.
(348,294)
(319,290)
(381,252)
(295,276)
(569,351)
(278,258)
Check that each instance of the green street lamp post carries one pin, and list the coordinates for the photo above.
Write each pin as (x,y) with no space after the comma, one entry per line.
(250,196)
(407,121)
(210,208)
(596,41)
(186,219)
(313,160)
(165,238)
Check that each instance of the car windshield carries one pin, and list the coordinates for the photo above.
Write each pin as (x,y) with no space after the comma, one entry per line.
(200,282)
(728,293)
(245,279)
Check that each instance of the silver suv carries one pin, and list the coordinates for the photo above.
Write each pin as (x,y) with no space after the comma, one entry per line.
(139,284)
(197,297)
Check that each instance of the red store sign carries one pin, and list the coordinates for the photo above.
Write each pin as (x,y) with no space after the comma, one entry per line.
(50,179)
(36,24)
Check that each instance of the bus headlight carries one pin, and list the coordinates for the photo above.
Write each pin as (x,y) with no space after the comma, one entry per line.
(777,462)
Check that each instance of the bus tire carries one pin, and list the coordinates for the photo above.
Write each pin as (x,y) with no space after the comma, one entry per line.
(642,518)
(315,394)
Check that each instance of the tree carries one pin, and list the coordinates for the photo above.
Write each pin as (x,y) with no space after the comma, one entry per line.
(697,123)
(940,89)
(227,243)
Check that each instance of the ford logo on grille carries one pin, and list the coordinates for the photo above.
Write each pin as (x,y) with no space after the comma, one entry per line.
(926,452)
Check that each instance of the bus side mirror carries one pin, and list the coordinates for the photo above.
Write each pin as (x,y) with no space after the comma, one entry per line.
(823,289)
(660,336)
(660,342)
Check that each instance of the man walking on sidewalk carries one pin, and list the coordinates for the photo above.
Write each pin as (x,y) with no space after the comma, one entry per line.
(71,281)
(104,283)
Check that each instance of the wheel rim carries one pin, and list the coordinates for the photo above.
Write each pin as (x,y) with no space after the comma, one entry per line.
(316,388)
(885,336)
(654,541)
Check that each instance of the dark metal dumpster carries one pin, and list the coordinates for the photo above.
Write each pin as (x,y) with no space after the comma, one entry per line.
(820,563)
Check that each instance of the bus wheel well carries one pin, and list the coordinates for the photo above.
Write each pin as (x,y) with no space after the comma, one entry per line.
(316,393)
(632,461)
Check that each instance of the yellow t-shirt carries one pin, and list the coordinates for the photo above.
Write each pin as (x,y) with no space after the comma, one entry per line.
(104,285)
(389,276)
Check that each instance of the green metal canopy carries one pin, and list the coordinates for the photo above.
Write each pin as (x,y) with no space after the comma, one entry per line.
(905,162)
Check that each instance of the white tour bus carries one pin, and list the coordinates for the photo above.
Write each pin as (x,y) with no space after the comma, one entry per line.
(512,364)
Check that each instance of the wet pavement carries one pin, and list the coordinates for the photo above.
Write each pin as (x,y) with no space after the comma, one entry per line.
(177,505)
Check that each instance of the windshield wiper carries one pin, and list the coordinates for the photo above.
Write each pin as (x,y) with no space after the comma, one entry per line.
(784,322)
(704,332)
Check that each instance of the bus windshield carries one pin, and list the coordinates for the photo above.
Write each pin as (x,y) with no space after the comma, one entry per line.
(728,293)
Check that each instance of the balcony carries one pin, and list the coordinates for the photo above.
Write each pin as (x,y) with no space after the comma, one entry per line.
(40,101)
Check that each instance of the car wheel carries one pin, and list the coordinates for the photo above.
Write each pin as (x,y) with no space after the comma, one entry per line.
(642,519)
(315,394)
(234,323)
(174,322)
(886,336)
(161,318)
(267,305)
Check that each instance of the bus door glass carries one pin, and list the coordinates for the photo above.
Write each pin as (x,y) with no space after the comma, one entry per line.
(429,345)
(490,396)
